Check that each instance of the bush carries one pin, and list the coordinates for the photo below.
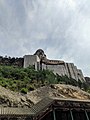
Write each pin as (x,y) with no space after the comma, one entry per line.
(31,87)
(24,90)
(28,79)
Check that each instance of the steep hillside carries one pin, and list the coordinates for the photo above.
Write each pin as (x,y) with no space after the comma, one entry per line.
(58,90)
(12,99)
(9,98)
(26,79)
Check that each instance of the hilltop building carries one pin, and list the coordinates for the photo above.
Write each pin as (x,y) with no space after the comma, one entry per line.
(40,61)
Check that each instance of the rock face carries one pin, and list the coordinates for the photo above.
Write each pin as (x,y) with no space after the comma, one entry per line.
(11,99)
(11,61)
(57,90)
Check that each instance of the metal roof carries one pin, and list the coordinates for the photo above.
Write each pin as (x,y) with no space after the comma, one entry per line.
(37,108)
(15,111)
(43,104)
(26,111)
(70,100)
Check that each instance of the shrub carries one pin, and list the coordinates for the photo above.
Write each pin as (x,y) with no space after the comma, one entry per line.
(24,90)
(31,87)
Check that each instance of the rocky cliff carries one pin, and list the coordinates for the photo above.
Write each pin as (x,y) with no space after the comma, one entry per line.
(12,99)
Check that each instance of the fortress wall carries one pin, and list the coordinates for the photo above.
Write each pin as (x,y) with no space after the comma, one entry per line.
(32,60)
(59,69)
(80,75)
(75,71)
(66,68)
(44,66)
(70,69)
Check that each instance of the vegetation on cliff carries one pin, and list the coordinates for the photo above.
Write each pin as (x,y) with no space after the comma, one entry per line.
(27,79)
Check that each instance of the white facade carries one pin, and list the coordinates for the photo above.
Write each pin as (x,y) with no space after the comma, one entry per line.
(60,68)
(32,60)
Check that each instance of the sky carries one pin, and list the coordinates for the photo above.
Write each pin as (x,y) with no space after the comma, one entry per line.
(60,27)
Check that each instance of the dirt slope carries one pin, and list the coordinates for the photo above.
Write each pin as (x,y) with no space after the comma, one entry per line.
(57,90)
(12,99)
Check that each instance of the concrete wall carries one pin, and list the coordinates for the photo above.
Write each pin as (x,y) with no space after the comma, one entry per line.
(62,69)
(80,75)
(74,72)
(43,66)
(70,70)
(59,69)
(66,69)
(32,60)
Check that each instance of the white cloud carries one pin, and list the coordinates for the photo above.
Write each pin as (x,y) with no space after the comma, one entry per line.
(60,27)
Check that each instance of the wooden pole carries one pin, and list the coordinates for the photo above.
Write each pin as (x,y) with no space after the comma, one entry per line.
(86,115)
(54,115)
(71,115)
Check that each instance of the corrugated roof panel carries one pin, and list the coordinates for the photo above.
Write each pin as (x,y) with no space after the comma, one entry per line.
(37,108)
(41,105)
(15,111)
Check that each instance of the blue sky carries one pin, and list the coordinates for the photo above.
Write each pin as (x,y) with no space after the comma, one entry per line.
(60,27)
